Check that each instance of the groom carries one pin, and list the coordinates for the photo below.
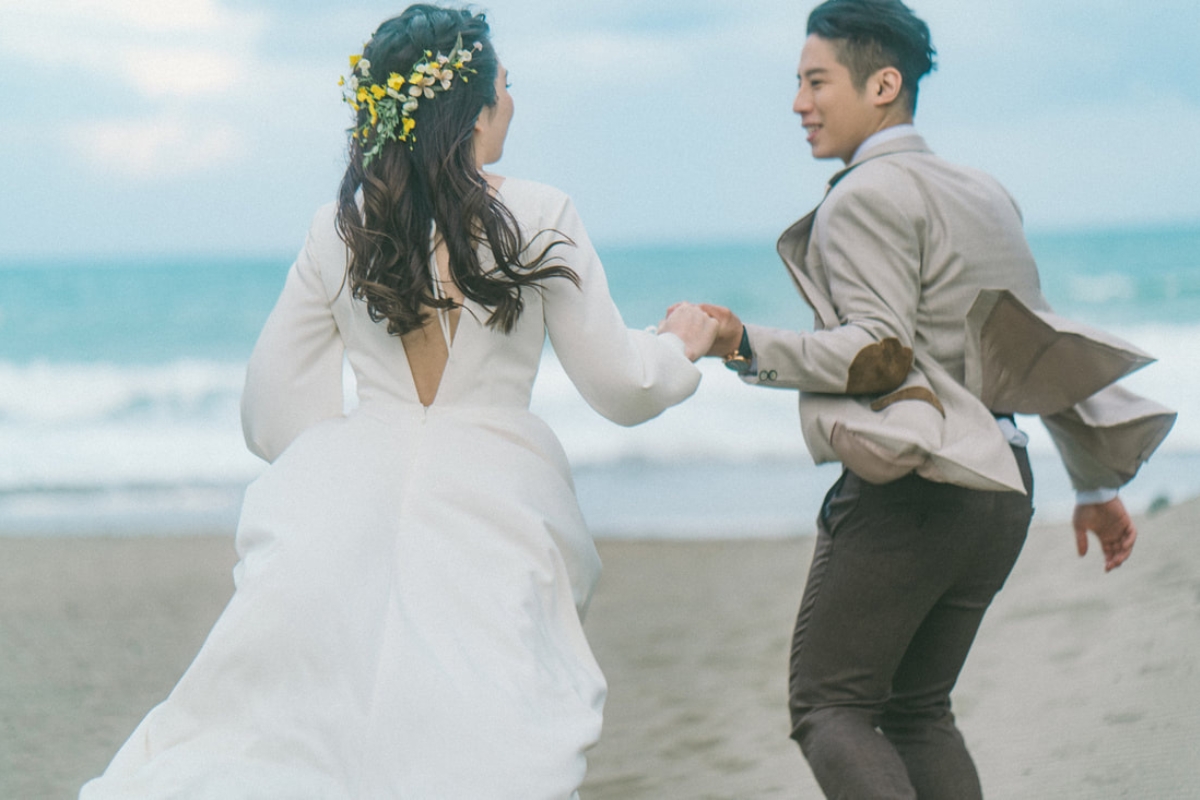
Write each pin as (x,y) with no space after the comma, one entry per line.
(912,543)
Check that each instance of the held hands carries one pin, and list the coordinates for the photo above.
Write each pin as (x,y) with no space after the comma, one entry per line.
(728,334)
(1111,525)
(696,328)
(729,330)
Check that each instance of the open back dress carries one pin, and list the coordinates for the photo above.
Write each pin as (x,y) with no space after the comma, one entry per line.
(407,620)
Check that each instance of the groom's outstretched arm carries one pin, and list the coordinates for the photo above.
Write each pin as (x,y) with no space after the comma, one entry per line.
(870,253)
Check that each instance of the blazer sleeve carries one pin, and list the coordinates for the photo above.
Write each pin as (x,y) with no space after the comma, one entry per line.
(294,377)
(1105,439)
(869,243)
(628,376)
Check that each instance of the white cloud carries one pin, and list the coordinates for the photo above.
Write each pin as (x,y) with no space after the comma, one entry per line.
(186,72)
(156,16)
(182,61)
(180,48)
(155,149)
(666,121)
(147,16)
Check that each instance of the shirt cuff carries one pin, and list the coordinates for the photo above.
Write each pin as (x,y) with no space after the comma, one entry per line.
(1095,496)
(1012,434)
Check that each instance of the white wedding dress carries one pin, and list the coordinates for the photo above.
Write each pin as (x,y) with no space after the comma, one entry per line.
(407,619)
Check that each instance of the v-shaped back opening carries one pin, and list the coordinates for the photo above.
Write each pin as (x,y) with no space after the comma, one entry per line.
(428,349)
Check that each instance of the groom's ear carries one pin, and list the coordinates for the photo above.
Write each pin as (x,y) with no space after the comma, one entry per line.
(885,86)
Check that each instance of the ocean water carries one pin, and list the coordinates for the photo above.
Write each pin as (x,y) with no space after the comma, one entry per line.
(120,380)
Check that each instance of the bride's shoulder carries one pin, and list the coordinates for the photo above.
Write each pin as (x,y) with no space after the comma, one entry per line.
(323,229)
(532,196)
(326,215)
(324,250)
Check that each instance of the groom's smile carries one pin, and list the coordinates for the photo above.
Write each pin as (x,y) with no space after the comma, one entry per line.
(837,115)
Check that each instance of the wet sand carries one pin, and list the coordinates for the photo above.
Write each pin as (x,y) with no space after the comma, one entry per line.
(1081,685)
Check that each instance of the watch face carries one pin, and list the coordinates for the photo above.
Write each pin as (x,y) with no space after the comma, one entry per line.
(738,364)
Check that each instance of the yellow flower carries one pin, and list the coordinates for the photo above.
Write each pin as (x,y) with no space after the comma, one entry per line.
(379,92)
(342,81)
(395,81)
(407,125)
(354,61)
(362,94)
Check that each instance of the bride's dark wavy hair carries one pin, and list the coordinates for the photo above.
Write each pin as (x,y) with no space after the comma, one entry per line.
(405,189)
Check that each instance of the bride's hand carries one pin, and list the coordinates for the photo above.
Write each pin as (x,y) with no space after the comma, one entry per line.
(696,328)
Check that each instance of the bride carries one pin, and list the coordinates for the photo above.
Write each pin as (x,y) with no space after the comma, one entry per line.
(412,576)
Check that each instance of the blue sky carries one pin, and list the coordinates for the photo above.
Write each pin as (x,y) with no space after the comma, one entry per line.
(216,126)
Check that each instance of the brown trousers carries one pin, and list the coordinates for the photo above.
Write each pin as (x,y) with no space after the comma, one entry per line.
(900,580)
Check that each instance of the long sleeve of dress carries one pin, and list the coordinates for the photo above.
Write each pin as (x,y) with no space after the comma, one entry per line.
(294,377)
(629,376)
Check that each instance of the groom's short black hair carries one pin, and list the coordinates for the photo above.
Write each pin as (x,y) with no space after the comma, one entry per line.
(873,34)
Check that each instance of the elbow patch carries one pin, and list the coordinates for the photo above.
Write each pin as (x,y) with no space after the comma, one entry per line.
(879,367)
(911,393)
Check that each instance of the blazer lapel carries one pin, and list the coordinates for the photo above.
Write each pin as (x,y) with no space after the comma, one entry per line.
(793,244)
(792,248)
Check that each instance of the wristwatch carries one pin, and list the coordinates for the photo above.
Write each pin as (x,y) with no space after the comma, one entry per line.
(740,360)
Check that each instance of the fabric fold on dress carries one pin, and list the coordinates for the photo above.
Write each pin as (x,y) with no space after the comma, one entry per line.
(411,582)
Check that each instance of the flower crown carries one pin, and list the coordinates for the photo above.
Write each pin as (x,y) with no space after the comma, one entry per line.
(393,102)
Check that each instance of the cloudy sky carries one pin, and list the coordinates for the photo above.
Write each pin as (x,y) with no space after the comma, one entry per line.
(216,126)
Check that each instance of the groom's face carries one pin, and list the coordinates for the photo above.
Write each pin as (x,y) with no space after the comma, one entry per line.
(837,115)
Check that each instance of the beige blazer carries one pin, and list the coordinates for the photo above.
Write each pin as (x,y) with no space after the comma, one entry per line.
(929,318)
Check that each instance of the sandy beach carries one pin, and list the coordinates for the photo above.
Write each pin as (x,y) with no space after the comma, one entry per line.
(1081,685)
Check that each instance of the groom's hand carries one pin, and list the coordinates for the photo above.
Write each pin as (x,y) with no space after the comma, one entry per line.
(1111,525)
(729,330)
